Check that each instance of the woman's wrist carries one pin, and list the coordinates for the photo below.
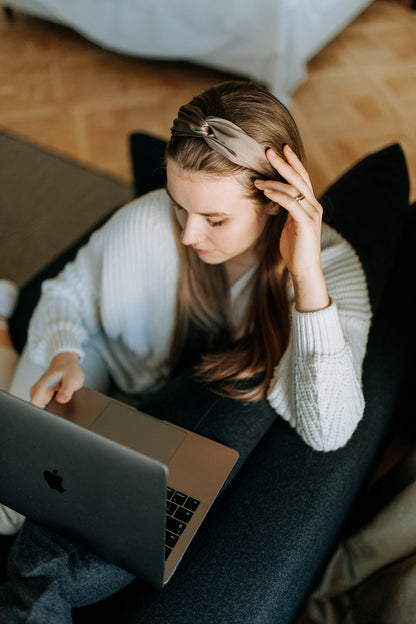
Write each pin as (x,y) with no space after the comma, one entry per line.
(311,293)
(66,356)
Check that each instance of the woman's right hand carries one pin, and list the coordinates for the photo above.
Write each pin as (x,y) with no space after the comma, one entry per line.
(63,377)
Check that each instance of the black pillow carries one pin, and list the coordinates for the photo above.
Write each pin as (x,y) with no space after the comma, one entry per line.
(147,158)
(368,206)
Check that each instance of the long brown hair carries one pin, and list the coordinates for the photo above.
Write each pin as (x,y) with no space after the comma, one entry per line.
(203,328)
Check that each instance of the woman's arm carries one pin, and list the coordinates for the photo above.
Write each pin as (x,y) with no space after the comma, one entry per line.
(67,313)
(300,241)
(317,383)
(68,310)
(110,288)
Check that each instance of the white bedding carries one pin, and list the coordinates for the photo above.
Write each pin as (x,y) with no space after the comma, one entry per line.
(269,41)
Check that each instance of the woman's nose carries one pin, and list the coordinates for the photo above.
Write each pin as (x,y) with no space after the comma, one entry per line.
(191,232)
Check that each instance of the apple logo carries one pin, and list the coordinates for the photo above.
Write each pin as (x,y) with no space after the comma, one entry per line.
(53,480)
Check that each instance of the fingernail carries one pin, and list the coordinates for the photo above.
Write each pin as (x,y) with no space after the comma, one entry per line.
(259,183)
(62,397)
(288,147)
(272,152)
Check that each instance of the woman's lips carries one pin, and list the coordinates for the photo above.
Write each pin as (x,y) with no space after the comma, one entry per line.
(202,251)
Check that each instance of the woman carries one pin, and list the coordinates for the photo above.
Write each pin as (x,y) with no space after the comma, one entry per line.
(226,278)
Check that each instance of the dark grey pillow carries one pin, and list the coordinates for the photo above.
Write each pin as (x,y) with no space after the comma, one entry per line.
(368,206)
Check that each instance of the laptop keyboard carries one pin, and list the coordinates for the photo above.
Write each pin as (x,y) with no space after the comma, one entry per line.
(179,510)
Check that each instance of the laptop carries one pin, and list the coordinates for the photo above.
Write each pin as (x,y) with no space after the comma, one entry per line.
(129,487)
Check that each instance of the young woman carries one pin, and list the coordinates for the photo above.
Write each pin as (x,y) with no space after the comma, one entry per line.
(226,279)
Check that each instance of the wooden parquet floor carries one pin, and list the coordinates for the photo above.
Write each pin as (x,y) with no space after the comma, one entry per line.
(63,92)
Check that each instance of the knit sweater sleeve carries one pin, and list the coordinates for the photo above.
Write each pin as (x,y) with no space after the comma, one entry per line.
(68,310)
(316,386)
(110,284)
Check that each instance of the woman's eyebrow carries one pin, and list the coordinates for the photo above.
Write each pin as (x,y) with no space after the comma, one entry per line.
(170,196)
(203,214)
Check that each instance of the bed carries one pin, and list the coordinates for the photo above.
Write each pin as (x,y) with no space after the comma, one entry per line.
(269,41)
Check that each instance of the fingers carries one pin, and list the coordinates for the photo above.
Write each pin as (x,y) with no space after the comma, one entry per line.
(285,196)
(294,161)
(69,385)
(63,377)
(273,186)
(41,393)
(291,170)
(296,196)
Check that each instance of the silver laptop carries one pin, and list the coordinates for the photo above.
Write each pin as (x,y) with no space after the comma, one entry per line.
(129,487)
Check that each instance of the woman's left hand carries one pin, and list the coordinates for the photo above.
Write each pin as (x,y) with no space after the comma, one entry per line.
(300,242)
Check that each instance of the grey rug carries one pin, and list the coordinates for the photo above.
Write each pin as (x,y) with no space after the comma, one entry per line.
(46,203)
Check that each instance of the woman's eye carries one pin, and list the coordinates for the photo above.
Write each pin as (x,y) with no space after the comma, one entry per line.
(179,211)
(180,214)
(215,223)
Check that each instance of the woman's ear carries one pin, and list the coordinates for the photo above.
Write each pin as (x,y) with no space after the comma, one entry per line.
(273,208)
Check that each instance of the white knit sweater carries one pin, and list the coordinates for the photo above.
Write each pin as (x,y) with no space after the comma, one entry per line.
(120,291)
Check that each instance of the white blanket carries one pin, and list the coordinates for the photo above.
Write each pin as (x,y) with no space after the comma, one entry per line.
(269,41)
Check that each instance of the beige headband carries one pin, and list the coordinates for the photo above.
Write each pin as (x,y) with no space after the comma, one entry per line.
(224,137)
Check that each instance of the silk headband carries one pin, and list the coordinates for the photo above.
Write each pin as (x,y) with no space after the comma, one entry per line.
(224,137)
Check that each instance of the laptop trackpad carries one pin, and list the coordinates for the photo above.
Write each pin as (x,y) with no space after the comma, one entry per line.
(138,431)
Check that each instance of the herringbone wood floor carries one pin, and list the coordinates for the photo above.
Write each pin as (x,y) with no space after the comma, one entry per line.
(64,93)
